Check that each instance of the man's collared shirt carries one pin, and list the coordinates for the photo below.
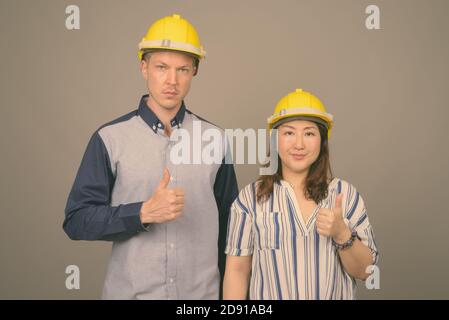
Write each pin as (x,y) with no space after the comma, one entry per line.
(121,168)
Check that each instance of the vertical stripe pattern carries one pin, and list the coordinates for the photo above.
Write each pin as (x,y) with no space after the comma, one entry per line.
(290,260)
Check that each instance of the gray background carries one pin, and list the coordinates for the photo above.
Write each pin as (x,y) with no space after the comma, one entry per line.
(388,91)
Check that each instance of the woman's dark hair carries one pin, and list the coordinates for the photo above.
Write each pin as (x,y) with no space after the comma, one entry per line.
(317,180)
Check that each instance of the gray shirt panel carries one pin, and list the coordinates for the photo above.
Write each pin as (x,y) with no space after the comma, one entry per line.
(174,260)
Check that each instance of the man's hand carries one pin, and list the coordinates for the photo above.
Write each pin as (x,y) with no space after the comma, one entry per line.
(164,205)
(330,223)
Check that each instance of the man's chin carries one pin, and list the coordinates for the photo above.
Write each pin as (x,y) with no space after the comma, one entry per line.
(170,105)
(166,104)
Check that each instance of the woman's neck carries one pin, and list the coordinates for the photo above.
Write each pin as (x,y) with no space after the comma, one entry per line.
(296,179)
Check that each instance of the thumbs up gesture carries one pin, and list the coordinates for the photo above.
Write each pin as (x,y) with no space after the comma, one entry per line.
(164,205)
(330,223)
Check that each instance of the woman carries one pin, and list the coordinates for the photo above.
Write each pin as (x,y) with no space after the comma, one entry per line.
(298,234)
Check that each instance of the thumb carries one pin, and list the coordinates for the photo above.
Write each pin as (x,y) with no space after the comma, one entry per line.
(338,201)
(165,179)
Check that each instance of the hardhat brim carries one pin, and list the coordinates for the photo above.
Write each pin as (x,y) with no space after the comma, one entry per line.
(172,45)
(301,112)
(306,118)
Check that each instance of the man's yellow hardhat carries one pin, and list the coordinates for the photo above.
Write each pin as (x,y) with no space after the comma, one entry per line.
(300,105)
(172,33)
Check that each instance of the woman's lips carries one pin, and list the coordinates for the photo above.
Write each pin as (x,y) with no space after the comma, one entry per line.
(298,156)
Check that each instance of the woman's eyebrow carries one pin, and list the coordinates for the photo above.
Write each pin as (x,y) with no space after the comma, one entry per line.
(291,127)
(287,126)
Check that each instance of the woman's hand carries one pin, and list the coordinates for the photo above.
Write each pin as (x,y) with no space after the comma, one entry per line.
(330,223)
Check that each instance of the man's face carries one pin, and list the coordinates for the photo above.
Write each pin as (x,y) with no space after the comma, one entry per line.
(168,75)
(299,145)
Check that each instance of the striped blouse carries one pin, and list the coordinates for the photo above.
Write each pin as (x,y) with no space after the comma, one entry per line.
(290,260)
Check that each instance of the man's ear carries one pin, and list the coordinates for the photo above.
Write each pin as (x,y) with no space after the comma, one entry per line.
(195,69)
(144,69)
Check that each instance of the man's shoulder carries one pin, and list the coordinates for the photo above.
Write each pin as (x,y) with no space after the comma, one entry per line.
(119,120)
(113,130)
(205,122)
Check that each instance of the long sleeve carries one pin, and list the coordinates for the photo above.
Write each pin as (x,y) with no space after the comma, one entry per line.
(88,213)
(355,213)
(225,191)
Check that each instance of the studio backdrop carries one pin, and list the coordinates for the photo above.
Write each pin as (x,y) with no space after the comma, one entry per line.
(380,67)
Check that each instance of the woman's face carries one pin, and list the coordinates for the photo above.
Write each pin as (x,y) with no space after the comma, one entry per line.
(299,145)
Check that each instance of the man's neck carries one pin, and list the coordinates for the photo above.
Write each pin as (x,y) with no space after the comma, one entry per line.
(163,114)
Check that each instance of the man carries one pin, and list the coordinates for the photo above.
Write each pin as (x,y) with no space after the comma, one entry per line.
(164,219)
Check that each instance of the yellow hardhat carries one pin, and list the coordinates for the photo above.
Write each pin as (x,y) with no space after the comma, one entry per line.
(172,33)
(300,105)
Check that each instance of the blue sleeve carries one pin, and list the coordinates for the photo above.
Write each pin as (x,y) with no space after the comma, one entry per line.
(88,213)
(225,192)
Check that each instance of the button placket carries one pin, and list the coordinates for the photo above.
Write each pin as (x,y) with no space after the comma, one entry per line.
(171,231)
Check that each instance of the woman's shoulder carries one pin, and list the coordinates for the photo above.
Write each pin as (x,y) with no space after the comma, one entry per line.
(249,191)
(247,196)
(341,186)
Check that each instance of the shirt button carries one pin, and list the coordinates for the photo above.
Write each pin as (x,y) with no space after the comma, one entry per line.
(171,280)
(172,245)
(154,127)
(159,125)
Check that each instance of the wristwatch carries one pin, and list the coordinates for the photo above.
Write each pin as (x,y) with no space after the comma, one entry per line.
(348,243)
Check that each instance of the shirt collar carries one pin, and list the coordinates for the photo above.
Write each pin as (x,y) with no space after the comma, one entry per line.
(153,121)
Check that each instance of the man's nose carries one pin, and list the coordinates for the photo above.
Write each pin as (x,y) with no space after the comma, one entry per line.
(172,77)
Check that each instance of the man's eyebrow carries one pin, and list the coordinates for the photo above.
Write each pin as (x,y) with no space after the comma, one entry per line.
(163,63)
(310,127)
